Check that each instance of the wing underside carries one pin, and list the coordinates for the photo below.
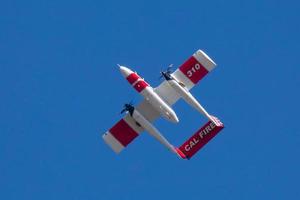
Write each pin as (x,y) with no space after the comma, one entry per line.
(188,74)
(126,130)
(122,133)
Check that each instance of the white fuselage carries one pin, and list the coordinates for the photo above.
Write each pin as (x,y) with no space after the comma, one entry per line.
(149,94)
(160,105)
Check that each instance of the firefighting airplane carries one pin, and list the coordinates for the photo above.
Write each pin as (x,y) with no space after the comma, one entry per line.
(158,102)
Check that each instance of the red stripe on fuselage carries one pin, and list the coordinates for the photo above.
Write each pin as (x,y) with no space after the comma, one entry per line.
(123,132)
(140,85)
(193,70)
(132,78)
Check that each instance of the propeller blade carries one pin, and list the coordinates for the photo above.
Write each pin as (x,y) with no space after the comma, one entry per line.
(169,68)
(127,107)
(131,103)
(167,72)
(161,76)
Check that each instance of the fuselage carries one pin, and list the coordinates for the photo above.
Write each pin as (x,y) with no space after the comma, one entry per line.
(141,86)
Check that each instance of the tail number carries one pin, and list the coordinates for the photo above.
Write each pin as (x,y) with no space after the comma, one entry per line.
(193,70)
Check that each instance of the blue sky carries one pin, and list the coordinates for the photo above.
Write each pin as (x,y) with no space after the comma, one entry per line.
(61,89)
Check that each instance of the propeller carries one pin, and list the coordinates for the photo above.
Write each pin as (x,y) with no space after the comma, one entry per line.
(167,74)
(128,107)
(169,68)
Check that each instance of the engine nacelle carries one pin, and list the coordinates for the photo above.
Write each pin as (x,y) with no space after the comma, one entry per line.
(188,97)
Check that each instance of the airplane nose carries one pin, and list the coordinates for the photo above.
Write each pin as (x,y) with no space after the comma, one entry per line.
(125,71)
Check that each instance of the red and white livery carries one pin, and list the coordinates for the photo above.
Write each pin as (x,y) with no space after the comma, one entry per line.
(158,102)
(141,86)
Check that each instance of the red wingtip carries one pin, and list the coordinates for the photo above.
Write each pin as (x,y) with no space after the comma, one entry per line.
(180,153)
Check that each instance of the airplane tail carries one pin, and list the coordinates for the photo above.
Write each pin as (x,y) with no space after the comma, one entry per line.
(180,153)
(200,138)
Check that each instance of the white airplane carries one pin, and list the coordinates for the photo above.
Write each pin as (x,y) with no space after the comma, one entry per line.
(158,102)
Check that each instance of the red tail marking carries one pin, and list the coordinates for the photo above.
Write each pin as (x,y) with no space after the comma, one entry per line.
(123,132)
(193,70)
(200,138)
(180,153)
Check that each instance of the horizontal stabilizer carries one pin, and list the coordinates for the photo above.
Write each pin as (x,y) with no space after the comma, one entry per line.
(201,137)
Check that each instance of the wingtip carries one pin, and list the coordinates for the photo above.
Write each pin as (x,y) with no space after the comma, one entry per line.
(206,56)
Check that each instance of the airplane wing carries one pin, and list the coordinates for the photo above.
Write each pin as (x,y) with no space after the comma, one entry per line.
(122,133)
(126,130)
(189,74)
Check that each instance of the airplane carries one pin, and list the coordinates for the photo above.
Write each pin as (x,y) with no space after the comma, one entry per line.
(158,102)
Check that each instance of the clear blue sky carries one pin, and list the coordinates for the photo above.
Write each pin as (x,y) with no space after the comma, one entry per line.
(61,89)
